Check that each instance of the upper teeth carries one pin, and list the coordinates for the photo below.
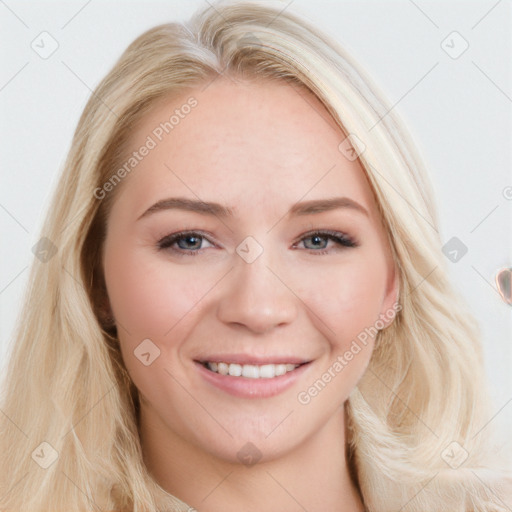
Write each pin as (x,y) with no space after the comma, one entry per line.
(251,371)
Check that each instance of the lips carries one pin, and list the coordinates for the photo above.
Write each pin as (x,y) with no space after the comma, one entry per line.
(252,384)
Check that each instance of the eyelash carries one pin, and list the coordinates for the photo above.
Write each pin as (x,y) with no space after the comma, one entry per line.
(339,238)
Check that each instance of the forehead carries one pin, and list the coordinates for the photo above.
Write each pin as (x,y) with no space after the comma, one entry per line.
(240,143)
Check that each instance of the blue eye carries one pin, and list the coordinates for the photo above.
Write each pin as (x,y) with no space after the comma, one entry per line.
(338,238)
(190,238)
(189,242)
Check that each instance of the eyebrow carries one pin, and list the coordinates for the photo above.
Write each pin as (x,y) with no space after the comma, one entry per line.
(218,210)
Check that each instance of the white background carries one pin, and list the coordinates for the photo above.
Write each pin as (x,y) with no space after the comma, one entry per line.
(458,112)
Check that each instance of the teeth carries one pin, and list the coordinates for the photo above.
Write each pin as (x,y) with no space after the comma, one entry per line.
(222,368)
(235,370)
(251,371)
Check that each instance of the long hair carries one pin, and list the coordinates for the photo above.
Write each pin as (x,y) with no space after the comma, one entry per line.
(69,424)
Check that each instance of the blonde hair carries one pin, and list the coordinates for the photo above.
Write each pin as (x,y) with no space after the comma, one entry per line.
(66,383)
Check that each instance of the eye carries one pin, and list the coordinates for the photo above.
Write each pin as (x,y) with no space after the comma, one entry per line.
(188,242)
(340,239)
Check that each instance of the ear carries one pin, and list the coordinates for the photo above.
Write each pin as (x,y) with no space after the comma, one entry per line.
(390,302)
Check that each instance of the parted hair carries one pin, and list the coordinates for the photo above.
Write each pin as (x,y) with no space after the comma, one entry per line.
(423,397)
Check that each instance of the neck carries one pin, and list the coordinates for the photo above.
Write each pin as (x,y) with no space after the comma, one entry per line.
(314,477)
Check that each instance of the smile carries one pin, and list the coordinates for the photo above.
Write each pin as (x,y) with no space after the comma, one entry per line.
(250,371)
(251,380)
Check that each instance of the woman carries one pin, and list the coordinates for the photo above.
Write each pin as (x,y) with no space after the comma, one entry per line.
(242,303)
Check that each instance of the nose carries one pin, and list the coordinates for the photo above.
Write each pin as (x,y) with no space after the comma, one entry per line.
(257,296)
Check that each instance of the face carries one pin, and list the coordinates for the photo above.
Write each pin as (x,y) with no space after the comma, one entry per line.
(267,278)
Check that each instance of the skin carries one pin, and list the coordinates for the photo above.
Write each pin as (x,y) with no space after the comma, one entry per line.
(258,148)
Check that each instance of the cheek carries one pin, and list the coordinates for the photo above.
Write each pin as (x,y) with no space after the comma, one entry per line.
(153,299)
(149,297)
(348,296)
(346,301)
